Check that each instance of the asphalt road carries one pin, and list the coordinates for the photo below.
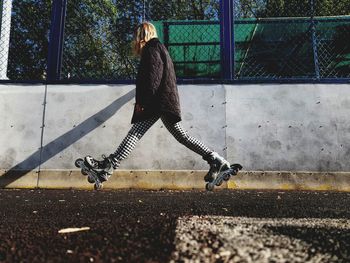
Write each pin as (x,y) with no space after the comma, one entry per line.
(174,226)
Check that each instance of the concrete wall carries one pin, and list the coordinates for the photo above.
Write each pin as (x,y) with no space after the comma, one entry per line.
(264,127)
(289,127)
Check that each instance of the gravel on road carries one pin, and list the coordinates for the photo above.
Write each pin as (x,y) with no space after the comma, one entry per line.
(143,226)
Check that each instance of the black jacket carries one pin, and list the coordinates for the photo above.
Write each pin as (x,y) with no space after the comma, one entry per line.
(156,89)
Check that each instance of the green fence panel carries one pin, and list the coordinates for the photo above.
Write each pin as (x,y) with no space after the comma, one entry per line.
(271,48)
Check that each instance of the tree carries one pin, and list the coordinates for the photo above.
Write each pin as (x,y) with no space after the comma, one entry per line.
(89,48)
(98,35)
(29,39)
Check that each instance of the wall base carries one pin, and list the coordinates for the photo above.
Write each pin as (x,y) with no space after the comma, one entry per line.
(178,180)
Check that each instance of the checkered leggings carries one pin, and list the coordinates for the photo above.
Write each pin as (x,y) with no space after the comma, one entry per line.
(140,128)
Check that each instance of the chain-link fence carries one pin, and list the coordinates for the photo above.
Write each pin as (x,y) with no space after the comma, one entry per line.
(273,39)
(24,39)
(5,37)
(194,47)
(286,39)
(98,37)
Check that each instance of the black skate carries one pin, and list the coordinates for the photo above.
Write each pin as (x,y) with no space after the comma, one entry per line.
(96,171)
(224,176)
(217,164)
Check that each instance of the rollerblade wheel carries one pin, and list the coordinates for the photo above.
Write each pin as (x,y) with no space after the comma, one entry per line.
(209,186)
(218,183)
(236,166)
(226,177)
(78,162)
(91,179)
(98,186)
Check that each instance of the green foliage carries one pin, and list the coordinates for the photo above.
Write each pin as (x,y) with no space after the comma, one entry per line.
(88,41)
(332,7)
(98,34)
(29,39)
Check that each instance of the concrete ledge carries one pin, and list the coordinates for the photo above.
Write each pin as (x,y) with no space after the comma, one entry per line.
(123,179)
(18,179)
(316,181)
(178,179)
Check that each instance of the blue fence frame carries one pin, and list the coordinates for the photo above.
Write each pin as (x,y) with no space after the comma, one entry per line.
(226,18)
(226,39)
(54,60)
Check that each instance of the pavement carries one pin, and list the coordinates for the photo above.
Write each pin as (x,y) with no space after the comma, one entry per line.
(174,226)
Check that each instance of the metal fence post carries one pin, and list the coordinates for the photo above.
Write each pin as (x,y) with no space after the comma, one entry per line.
(166,34)
(54,61)
(5,28)
(314,40)
(226,39)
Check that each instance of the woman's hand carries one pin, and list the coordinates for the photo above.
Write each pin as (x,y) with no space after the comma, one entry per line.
(139,108)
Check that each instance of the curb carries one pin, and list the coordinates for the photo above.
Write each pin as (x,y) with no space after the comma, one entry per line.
(178,180)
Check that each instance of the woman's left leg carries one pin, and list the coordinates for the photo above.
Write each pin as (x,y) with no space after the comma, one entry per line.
(184,138)
(216,162)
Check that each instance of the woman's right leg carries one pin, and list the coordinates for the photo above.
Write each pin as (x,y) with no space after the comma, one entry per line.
(125,148)
(132,138)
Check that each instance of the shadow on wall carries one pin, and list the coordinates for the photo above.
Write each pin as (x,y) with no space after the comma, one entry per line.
(56,146)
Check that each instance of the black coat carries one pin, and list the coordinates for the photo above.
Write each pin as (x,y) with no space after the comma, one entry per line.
(156,89)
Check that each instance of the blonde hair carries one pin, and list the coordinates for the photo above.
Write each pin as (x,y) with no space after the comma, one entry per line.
(144,32)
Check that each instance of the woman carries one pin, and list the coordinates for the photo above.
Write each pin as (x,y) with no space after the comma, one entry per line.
(156,97)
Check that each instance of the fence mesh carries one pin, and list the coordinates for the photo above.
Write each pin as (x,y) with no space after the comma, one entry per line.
(98,36)
(279,39)
(24,39)
(274,39)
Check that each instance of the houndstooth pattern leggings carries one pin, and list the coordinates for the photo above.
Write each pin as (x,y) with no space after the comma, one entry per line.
(140,128)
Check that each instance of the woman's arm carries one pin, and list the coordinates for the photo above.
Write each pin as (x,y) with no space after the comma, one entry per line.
(153,69)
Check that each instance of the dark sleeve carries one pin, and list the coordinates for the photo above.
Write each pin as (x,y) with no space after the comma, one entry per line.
(154,69)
